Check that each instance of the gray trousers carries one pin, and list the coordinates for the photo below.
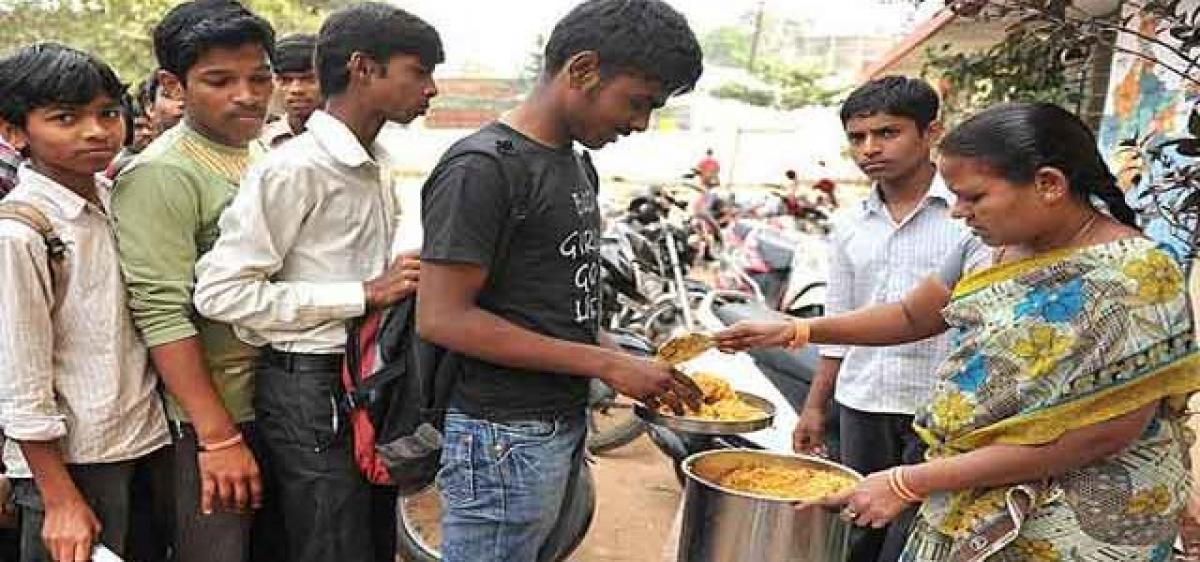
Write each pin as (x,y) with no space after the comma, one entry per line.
(871,443)
(131,499)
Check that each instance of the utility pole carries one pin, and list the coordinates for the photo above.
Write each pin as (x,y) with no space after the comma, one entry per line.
(758,25)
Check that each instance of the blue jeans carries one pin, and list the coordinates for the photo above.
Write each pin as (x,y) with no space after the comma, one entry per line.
(503,485)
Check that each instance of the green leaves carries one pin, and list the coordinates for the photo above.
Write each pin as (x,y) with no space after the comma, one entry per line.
(118,31)
(745,94)
(728,46)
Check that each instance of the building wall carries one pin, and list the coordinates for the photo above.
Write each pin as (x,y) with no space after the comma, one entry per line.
(1149,104)
(468,103)
(961,36)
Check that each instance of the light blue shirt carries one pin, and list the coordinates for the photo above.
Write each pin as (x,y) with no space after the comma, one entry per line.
(875,259)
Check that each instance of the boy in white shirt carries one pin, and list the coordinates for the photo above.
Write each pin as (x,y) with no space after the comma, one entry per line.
(76,394)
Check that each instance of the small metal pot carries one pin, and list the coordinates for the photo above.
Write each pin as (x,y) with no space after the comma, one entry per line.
(723,525)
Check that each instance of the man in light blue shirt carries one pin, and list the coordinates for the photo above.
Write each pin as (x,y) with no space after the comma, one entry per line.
(902,234)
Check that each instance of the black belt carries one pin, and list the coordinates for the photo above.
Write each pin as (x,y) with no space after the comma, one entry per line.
(290,361)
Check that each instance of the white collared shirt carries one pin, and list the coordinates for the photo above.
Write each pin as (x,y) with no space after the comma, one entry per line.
(277,132)
(77,374)
(875,259)
(311,222)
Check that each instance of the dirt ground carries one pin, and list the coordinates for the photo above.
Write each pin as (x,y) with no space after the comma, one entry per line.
(636,499)
(637,496)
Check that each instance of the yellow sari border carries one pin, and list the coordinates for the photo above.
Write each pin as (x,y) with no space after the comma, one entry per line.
(1179,378)
(984,277)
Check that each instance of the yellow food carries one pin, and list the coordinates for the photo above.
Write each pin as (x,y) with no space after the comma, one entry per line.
(795,483)
(685,348)
(720,402)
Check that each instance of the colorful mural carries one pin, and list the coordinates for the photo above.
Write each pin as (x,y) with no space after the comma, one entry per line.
(1147,104)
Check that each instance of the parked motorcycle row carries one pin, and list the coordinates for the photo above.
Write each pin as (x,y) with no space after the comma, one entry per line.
(755,265)
(668,267)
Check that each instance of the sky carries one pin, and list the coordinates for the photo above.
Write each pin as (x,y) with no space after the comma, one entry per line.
(496,37)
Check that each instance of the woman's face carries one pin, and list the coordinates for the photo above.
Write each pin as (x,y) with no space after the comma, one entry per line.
(999,212)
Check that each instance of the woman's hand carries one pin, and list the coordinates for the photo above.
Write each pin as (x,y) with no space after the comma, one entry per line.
(753,335)
(872,503)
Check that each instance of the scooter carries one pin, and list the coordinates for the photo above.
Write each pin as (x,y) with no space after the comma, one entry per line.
(785,270)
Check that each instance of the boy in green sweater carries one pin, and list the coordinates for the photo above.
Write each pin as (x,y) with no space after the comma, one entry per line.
(216,56)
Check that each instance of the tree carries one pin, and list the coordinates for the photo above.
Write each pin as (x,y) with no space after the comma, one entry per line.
(534,61)
(798,86)
(789,87)
(118,31)
(745,94)
(1047,34)
(1045,39)
(728,46)
(1017,68)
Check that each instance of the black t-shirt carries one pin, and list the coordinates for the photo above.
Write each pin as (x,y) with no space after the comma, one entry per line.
(548,281)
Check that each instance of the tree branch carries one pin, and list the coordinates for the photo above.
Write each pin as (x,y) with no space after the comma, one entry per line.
(1066,21)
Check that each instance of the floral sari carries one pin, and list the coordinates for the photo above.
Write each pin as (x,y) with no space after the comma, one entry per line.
(1046,346)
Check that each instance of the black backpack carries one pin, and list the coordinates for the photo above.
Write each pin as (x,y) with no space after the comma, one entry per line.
(398,386)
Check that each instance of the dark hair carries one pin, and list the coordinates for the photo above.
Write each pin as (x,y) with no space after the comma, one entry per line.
(378,30)
(294,53)
(47,74)
(1017,139)
(893,95)
(643,37)
(191,28)
(148,90)
(130,111)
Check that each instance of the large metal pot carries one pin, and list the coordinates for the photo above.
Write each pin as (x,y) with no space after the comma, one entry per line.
(723,525)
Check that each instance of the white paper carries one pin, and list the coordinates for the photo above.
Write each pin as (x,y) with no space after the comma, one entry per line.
(103,554)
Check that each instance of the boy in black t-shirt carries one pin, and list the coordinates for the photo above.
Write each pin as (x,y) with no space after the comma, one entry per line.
(529,337)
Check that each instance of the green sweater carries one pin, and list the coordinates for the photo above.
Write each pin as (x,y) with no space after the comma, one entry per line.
(167,204)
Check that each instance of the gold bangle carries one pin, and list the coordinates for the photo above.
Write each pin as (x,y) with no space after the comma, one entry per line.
(800,334)
(893,486)
(902,489)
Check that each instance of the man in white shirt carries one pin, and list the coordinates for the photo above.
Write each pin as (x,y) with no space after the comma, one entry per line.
(902,234)
(304,248)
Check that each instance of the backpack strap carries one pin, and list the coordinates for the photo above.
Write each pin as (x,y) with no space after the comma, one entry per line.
(56,249)
(589,169)
(516,177)
(501,151)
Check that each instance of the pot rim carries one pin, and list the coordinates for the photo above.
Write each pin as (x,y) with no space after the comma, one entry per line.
(689,462)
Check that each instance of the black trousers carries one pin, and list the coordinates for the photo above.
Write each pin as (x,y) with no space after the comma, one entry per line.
(331,513)
(130,498)
(871,443)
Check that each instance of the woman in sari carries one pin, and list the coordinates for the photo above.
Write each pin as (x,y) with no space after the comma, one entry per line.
(1055,431)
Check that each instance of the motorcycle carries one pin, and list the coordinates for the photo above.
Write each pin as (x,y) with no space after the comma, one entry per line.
(641,273)
(640,298)
(644,293)
(645,258)
(784,270)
